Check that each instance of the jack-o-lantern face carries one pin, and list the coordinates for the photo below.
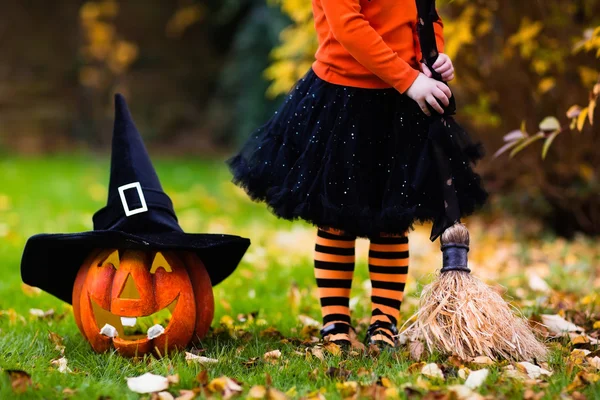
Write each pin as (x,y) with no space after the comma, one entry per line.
(121,298)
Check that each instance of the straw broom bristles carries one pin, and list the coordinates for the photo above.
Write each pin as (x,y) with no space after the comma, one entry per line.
(461,315)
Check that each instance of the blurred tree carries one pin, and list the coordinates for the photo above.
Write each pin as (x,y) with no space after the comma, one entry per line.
(571,182)
(105,57)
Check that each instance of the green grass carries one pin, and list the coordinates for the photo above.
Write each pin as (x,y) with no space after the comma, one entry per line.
(275,281)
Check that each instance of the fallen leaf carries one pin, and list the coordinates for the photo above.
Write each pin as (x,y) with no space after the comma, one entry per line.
(416,367)
(533,371)
(338,373)
(272,356)
(416,348)
(202,377)
(308,321)
(557,325)
(274,394)
(483,360)
(186,395)
(19,380)
(537,284)
(192,358)
(257,392)
(433,371)
(224,386)
(511,372)
(580,339)
(252,362)
(594,362)
(36,312)
(30,290)
(165,396)
(463,373)
(583,379)
(462,392)
(61,364)
(292,392)
(173,379)
(147,383)
(530,394)
(57,341)
(347,389)
(476,378)
(332,348)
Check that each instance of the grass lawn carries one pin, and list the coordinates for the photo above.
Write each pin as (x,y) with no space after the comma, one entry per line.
(259,308)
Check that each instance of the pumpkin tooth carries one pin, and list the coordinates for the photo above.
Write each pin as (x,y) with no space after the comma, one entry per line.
(126,321)
(109,330)
(155,331)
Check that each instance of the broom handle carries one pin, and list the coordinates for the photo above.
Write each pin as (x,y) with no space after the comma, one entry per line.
(427,16)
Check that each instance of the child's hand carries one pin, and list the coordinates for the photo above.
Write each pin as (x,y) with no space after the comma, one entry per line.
(426,90)
(443,66)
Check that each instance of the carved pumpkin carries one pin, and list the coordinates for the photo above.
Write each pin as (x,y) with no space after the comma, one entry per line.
(123,292)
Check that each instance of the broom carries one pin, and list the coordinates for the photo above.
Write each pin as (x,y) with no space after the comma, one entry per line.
(460,315)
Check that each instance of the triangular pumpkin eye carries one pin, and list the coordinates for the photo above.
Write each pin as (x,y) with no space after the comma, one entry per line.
(112,259)
(160,262)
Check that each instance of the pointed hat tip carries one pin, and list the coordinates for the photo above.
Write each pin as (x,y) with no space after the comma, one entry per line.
(122,113)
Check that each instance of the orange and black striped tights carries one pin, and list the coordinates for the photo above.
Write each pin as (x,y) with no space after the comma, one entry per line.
(334,269)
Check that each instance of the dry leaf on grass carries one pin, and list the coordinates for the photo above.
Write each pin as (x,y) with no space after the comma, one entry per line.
(533,371)
(332,348)
(272,356)
(483,360)
(36,312)
(557,325)
(338,373)
(308,321)
(19,380)
(433,371)
(347,389)
(462,392)
(57,341)
(147,383)
(30,290)
(224,386)
(537,284)
(257,392)
(192,358)
(583,379)
(61,365)
(511,372)
(416,348)
(186,395)
(164,396)
(594,362)
(476,378)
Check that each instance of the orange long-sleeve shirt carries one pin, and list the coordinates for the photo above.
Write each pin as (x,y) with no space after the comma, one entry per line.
(369,43)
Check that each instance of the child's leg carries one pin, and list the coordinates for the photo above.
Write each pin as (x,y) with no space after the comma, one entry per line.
(388,269)
(334,269)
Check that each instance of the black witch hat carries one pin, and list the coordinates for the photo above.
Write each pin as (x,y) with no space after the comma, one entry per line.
(138,215)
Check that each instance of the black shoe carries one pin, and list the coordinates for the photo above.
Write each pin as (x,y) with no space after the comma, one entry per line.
(337,328)
(382,328)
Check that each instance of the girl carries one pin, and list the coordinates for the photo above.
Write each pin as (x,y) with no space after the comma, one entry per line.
(344,152)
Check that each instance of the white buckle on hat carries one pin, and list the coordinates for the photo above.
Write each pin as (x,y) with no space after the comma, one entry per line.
(141,209)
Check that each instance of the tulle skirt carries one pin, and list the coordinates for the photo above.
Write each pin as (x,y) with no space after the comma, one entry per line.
(359,160)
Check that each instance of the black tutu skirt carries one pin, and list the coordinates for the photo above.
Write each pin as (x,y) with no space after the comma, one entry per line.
(359,160)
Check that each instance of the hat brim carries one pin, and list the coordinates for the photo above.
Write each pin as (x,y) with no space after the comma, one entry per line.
(51,261)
